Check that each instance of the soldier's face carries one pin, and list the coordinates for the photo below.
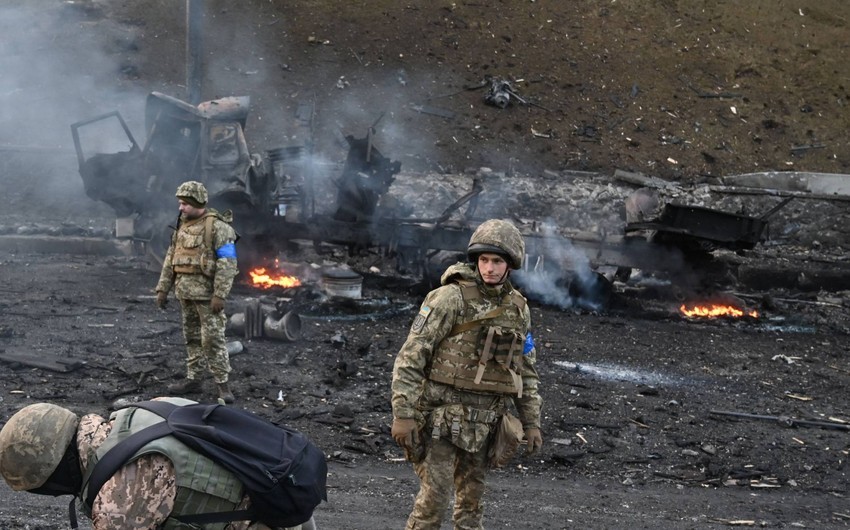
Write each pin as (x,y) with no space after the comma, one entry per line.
(189,211)
(493,268)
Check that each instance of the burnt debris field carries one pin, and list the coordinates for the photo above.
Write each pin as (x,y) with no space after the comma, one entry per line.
(678,169)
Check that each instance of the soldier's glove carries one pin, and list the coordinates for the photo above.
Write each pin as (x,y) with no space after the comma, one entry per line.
(161,299)
(533,441)
(217,304)
(404,433)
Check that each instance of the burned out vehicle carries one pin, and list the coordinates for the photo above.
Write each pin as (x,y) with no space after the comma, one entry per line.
(273,202)
(183,142)
(271,196)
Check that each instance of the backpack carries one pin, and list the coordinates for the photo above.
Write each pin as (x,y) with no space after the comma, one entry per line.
(283,472)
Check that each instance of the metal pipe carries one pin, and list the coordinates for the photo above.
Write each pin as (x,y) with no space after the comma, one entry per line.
(287,328)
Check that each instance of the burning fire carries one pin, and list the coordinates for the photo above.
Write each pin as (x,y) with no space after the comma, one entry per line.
(260,277)
(716,310)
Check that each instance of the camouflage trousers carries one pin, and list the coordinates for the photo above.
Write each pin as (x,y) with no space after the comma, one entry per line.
(203,333)
(447,468)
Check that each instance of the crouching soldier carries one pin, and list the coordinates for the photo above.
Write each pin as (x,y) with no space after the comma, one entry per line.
(47,449)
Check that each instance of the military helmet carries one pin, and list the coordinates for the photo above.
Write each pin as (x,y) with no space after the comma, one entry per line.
(193,192)
(498,237)
(33,442)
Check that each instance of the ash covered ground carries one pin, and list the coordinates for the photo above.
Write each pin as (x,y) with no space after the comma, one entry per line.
(630,436)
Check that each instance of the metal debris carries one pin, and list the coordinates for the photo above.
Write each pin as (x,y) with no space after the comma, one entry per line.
(57,364)
(784,420)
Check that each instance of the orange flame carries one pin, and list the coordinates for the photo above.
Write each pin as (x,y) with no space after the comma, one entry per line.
(261,278)
(716,310)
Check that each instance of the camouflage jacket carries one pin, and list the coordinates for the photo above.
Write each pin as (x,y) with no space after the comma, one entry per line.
(220,272)
(140,495)
(442,310)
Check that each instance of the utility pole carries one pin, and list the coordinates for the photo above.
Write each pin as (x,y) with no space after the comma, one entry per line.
(194,50)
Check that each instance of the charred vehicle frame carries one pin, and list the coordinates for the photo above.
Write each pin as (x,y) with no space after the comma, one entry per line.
(272,198)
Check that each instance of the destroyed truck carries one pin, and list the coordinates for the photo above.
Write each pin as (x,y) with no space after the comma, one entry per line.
(270,196)
(183,142)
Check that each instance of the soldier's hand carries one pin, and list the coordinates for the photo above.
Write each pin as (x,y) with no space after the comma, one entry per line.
(533,441)
(161,299)
(404,432)
(217,304)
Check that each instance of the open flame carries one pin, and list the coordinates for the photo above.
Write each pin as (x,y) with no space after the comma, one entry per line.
(260,277)
(716,310)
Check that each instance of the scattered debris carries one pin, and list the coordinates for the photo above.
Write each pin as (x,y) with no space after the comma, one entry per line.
(800,149)
(786,358)
(500,93)
(258,321)
(798,397)
(435,111)
(784,420)
(58,364)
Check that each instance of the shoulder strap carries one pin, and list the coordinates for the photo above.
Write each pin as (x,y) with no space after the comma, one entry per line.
(518,300)
(160,408)
(468,290)
(208,232)
(116,457)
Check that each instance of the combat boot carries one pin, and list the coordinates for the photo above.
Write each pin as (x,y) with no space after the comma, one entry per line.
(186,386)
(224,393)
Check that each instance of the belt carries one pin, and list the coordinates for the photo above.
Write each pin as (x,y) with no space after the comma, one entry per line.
(481,415)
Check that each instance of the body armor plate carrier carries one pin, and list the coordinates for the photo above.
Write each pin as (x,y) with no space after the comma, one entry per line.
(485,354)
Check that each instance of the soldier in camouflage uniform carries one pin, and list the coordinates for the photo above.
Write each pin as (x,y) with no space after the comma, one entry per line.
(201,265)
(46,449)
(469,356)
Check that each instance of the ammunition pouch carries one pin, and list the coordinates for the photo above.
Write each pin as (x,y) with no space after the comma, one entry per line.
(509,435)
(208,263)
(466,427)
(502,345)
(505,348)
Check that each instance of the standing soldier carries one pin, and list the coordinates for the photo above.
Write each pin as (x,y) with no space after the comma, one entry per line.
(201,265)
(469,354)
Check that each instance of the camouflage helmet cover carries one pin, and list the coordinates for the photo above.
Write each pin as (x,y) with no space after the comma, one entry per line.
(193,192)
(499,237)
(33,442)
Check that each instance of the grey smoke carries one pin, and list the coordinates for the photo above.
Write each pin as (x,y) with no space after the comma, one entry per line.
(47,83)
(548,278)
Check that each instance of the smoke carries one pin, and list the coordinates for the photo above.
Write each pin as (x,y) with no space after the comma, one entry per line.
(59,65)
(562,275)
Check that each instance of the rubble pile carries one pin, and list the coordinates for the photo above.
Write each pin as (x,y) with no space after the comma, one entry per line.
(592,203)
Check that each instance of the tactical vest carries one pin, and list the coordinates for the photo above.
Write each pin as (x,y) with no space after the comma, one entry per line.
(483,354)
(193,246)
(202,485)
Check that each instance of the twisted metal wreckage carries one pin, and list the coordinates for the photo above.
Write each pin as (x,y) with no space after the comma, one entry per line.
(273,200)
